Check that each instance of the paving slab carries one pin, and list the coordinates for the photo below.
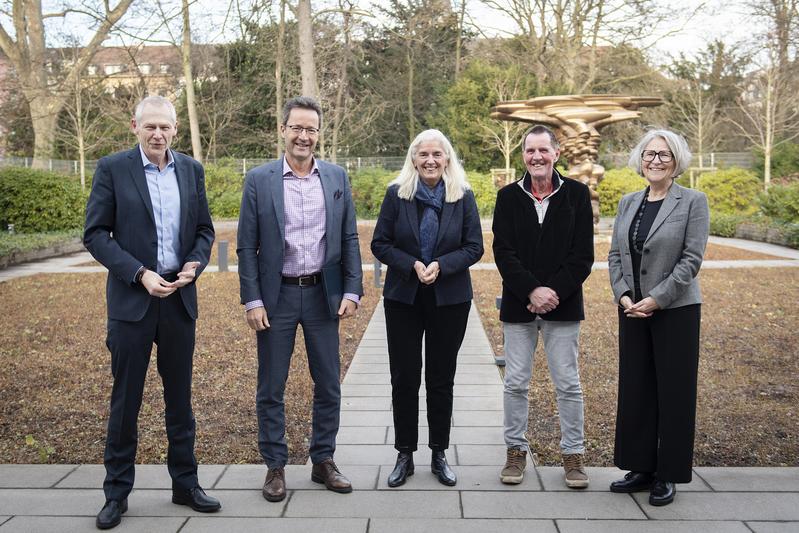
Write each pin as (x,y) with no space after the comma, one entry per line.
(85,524)
(367,379)
(492,391)
(368,418)
(209,524)
(298,477)
(375,504)
(234,503)
(478,418)
(4,519)
(482,454)
(480,478)
(600,479)
(370,454)
(751,479)
(369,391)
(487,403)
(650,526)
(147,477)
(462,525)
(773,527)
(56,502)
(362,435)
(368,368)
(32,476)
(366,403)
(583,505)
(727,506)
(476,435)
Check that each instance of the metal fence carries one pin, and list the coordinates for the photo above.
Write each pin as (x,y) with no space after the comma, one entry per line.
(708,161)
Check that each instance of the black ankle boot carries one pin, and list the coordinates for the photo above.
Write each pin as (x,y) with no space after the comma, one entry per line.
(633,482)
(662,493)
(441,469)
(402,470)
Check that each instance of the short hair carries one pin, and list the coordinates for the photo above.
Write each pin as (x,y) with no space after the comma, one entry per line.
(155,101)
(454,176)
(539,129)
(302,102)
(676,143)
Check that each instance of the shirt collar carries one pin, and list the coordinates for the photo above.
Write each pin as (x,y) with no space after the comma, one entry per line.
(527,182)
(170,160)
(288,172)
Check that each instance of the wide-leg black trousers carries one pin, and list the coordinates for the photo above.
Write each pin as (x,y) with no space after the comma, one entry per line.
(656,417)
(443,329)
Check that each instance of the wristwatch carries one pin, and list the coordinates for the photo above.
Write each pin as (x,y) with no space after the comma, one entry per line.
(139,274)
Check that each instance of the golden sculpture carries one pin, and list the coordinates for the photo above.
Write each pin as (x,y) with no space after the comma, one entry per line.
(576,121)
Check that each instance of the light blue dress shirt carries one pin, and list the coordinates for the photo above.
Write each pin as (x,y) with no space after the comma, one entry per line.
(165,197)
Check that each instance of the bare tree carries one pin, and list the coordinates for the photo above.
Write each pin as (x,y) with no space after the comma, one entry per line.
(306,48)
(191,106)
(45,93)
(279,58)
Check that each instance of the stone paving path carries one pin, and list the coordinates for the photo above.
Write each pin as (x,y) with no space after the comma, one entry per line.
(51,498)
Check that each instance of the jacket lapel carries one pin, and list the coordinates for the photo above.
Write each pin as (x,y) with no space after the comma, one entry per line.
(669,203)
(328,189)
(182,173)
(140,180)
(276,183)
(628,216)
(413,217)
(446,216)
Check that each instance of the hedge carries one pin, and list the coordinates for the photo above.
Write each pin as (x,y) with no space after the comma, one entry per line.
(781,202)
(732,191)
(223,186)
(616,183)
(39,201)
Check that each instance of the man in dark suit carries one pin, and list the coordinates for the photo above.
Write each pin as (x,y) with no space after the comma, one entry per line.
(544,249)
(147,221)
(299,263)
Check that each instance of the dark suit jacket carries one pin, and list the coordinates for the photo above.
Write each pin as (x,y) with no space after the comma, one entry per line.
(557,254)
(120,229)
(673,249)
(458,246)
(262,232)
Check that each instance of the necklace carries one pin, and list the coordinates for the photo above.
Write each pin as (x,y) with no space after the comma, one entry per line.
(638,224)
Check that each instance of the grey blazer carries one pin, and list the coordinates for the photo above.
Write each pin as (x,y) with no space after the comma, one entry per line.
(673,250)
(262,230)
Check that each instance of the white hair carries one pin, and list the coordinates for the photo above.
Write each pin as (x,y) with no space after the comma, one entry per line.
(155,101)
(454,176)
(676,143)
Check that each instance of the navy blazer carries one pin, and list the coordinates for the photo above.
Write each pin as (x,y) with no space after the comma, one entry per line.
(120,229)
(459,245)
(262,232)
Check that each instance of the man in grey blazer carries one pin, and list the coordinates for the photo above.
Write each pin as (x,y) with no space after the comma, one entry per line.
(299,263)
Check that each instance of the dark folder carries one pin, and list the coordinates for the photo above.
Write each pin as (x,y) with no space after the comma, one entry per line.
(332,283)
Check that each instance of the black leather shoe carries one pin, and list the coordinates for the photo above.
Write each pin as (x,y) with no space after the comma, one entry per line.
(197,499)
(402,470)
(441,469)
(633,482)
(662,493)
(111,514)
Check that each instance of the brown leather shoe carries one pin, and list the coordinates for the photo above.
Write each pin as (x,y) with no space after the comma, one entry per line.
(274,485)
(327,472)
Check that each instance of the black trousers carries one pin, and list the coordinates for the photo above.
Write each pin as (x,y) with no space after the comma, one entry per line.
(167,324)
(443,329)
(656,417)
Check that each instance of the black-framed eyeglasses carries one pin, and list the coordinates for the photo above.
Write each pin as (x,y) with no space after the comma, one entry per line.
(310,131)
(665,156)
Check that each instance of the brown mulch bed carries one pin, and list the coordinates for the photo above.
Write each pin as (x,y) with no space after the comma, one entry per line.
(747,400)
(55,381)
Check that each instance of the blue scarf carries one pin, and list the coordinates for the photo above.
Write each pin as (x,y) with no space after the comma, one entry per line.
(433,201)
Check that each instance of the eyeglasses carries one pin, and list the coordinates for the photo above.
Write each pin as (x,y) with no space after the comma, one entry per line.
(649,155)
(310,131)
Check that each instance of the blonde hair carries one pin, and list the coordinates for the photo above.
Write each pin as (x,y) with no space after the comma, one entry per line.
(454,176)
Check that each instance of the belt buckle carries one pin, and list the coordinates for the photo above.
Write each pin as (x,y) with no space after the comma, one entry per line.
(303,279)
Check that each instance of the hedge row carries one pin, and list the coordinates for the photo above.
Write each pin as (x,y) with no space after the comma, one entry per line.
(40,201)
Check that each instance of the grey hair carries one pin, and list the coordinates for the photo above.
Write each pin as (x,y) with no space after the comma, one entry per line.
(454,176)
(539,129)
(155,101)
(302,102)
(676,143)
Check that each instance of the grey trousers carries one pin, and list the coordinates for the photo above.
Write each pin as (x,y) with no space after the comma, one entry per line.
(560,345)
(306,306)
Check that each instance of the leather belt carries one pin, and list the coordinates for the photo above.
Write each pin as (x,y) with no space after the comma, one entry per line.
(304,281)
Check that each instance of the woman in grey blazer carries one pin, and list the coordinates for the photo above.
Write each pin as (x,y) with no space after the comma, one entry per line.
(428,234)
(659,239)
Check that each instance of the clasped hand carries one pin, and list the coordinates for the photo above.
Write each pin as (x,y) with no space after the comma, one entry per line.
(642,309)
(427,274)
(542,300)
(158,286)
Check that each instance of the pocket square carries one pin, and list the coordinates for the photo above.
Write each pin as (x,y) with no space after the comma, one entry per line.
(337,194)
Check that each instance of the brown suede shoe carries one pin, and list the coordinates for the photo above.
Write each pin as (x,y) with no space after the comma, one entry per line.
(274,485)
(327,472)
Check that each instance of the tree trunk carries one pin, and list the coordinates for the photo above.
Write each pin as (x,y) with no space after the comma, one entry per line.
(338,109)
(306,51)
(44,111)
(507,146)
(191,105)
(411,119)
(461,16)
(281,37)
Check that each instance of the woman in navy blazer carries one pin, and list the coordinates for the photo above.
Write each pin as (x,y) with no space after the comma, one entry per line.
(428,234)
(658,243)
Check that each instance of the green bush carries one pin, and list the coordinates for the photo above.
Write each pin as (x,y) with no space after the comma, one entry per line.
(223,186)
(485,192)
(37,200)
(731,191)
(616,183)
(784,160)
(724,225)
(781,202)
(368,190)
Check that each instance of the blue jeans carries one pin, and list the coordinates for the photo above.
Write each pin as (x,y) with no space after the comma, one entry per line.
(560,345)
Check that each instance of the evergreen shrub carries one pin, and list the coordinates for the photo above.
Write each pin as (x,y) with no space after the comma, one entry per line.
(732,191)
(38,201)
(781,202)
(223,187)
(616,183)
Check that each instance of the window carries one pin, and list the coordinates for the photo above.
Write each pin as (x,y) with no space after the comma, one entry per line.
(113,69)
(91,70)
(164,68)
(145,68)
